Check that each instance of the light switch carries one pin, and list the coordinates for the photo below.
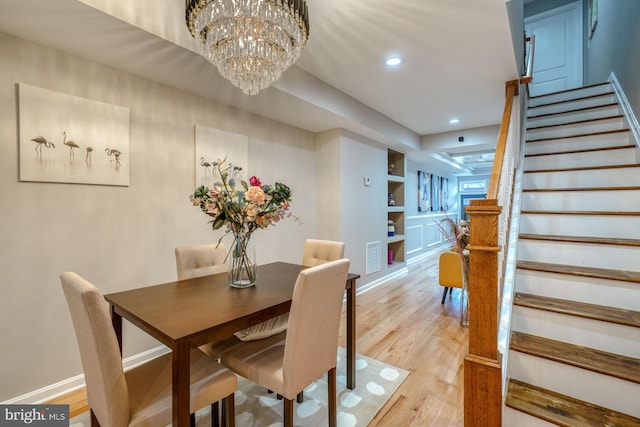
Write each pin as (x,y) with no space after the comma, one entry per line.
(367,181)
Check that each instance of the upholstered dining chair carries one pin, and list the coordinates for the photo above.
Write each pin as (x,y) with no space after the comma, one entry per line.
(288,362)
(318,252)
(200,260)
(449,272)
(141,396)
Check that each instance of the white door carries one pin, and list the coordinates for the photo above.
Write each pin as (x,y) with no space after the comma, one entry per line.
(557,62)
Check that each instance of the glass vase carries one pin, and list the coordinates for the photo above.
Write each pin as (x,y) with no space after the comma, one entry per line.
(464,296)
(242,262)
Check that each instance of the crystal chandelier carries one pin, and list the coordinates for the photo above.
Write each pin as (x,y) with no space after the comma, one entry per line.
(251,42)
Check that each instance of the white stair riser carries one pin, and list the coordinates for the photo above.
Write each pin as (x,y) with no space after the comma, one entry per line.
(592,387)
(613,293)
(573,94)
(574,116)
(622,156)
(618,177)
(613,338)
(570,105)
(580,254)
(583,143)
(514,418)
(618,226)
(597,201)
(606,125)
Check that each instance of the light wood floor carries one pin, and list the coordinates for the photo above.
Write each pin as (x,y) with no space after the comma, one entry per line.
(403,323)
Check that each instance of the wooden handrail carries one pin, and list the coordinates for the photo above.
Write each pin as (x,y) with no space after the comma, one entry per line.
(494,181)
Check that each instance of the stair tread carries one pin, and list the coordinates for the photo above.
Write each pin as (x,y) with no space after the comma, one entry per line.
(623,166)
(588,150)
(549,190)
(574,111)
(582,135)
(562,410)
(571,212)
(603,362)
(577,122)
(581,239)
(602,313)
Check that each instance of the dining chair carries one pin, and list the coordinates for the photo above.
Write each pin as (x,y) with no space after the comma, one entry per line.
(200,260)
(318,252)
(141,396)
(449,272)
(288,362)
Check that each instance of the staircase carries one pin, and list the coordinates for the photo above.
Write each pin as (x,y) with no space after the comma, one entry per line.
(574,354)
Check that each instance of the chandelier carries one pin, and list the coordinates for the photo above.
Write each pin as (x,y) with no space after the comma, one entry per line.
(251,42)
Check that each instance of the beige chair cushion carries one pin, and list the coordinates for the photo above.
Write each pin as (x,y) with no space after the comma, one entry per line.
(264,329)
(200,260)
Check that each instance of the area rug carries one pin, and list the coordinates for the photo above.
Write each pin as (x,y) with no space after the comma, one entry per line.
(255,407)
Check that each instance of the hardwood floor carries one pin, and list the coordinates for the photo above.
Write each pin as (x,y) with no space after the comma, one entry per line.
(403,323)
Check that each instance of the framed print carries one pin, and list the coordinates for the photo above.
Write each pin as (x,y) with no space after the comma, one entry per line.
(69,139)
(424,192)
(213,145)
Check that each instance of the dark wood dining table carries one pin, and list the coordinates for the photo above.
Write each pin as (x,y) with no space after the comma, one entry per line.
(189,313)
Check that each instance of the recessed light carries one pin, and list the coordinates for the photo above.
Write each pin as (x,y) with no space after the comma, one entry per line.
(393,61)
(454,121)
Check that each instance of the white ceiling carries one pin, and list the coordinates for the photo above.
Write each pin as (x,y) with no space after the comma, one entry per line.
(457,57)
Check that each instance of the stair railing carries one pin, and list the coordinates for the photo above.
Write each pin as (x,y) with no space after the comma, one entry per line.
(489,221)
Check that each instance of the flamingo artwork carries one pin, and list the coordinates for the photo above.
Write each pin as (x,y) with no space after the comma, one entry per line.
(115,153)
(40,142)
(70,144)
(89,151)
(206,165)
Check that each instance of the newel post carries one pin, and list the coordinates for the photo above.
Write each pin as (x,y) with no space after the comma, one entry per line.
(482,365)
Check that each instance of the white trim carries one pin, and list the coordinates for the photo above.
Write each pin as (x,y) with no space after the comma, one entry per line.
(374,284)
(634,127)
(69,385)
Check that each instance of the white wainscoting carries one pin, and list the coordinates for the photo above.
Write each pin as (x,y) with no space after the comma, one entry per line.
(423,234)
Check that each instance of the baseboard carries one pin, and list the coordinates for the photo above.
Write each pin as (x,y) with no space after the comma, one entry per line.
(70,385)
(634,127)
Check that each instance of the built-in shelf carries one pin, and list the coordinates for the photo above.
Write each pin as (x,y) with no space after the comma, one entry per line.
(396,212)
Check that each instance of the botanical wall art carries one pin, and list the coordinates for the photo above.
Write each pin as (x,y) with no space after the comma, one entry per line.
(213,145)
(69,139)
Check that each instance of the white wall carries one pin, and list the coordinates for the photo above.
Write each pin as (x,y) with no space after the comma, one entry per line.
(118,237)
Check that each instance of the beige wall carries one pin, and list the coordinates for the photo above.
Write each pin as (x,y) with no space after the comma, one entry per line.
(117,237)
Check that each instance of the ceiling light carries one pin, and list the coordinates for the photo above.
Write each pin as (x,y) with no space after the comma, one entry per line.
(251,42)
(454,121)
(393,61)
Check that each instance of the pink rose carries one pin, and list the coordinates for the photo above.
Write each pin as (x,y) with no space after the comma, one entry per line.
(255,195)
(255,181)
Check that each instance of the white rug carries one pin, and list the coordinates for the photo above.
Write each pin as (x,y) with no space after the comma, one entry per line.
(376,382)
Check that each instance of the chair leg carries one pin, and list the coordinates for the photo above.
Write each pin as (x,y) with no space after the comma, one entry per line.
(300,397)
(94,420)
(288,412)
(192,420)
(215,414)
(444,294)
(331,397)
(229,411)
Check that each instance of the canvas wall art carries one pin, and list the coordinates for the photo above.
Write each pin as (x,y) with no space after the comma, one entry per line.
(424,191)
(213,145)
(69,139)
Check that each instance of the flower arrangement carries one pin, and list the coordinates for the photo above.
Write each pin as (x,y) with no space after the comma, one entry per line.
(243,207)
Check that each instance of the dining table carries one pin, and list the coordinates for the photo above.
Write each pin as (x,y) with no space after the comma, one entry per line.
(189,313)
